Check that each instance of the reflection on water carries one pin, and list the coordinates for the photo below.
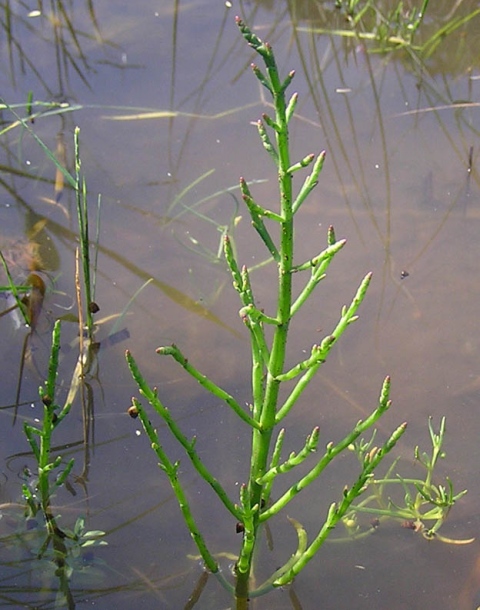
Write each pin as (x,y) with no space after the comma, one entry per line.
(401,182)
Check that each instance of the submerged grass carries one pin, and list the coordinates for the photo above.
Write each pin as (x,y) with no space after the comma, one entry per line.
(395,27)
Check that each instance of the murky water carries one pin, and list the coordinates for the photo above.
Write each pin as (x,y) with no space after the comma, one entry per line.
(165,100)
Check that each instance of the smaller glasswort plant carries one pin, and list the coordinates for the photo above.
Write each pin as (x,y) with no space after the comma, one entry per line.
(56,545)
(65,545)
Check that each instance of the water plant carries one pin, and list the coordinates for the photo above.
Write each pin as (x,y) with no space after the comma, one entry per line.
(424,501)
(268,410)
(56,551)
(65,544)
(46,539)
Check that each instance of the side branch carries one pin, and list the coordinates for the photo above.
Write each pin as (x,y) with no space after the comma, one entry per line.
(330,454)
(205,382)
(336,513)
(171,470)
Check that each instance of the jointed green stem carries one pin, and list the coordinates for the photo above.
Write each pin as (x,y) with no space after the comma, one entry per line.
(267,411)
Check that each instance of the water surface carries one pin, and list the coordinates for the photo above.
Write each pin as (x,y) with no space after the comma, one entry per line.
(164,100)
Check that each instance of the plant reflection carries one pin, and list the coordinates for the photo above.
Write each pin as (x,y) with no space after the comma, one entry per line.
(55,26)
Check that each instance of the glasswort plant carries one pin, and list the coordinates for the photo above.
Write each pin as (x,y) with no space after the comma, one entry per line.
(268,411)
(65,544)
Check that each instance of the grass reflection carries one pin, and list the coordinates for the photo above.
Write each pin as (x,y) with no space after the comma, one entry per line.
(60,27)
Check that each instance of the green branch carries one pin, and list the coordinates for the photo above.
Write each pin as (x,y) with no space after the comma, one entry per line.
(188,445)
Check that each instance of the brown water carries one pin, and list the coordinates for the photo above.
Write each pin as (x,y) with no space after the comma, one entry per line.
(396,183)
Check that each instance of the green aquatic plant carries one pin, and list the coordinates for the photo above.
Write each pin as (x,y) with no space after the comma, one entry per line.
(425,504)
(60,545)
(86,255)
(268,409)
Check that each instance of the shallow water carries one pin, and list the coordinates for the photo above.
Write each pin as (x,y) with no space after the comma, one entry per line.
(396,183)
